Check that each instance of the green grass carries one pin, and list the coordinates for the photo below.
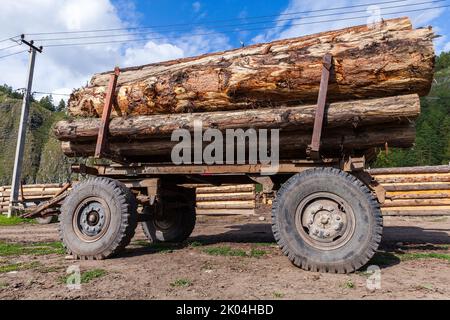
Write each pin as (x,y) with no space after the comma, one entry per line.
(231,252)
(424,255)
(38,248)
(5,221)
(181,283)
(278,295)
(19,267)
(349,284)
(195,244)
(90,275)
(86,276)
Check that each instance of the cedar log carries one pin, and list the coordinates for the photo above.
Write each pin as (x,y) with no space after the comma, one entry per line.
(292,144)
(352,114)
(368,62)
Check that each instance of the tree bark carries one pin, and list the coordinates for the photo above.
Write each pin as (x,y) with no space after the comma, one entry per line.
(400,109)
(292,144)
(368,62)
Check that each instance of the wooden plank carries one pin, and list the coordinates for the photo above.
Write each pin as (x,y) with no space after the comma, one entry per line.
(416,202)
(417,186)
(420,169)
(225,189)
(226,196)
(226,205)
(413,178)
(224,212)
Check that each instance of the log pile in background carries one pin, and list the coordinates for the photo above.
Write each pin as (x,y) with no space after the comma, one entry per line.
(33,193)
(415,191)
(226,200)
(267,86)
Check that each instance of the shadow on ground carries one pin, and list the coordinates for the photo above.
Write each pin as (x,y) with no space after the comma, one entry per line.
(394,239)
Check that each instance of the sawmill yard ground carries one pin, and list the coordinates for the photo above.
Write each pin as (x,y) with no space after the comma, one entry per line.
(226,258)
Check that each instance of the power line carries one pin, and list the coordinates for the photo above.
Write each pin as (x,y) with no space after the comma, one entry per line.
(231,25)
(10,38)
(13,54)
(10,47)
(214,21)
(51,94)
(233,31)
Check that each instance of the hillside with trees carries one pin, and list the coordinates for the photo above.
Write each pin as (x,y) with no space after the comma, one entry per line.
(432,145)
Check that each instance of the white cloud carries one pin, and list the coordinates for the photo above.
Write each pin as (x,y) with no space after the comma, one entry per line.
(60,69)
(152,52)
(196,6)
(288,27)
(447,47)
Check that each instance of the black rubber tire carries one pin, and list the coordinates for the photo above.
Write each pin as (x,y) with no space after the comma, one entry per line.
(178,211)
(122,225)
(362,244)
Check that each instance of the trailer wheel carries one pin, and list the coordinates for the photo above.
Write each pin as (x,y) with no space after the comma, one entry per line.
(98,219)
(173,218)
(326,220)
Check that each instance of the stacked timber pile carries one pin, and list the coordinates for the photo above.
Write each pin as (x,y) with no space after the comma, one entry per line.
(377,77)
(33,193)
(415,191)
(226,200)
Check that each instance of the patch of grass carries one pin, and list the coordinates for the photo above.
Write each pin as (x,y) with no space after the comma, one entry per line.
(278,295)
(38,248)
(86,276)
(3,285)
(181,283)
(19,267)
(256,253)
(195,244)
(5,221)
(424,255)
(264,244)
(231,252)
(349,284)
(90,275)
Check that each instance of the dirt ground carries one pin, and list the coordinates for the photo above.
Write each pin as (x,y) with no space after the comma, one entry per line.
(410,258)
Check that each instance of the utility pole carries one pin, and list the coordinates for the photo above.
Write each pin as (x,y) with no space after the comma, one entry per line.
(17,173)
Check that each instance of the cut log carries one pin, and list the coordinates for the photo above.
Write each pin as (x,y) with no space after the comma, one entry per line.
(291,144)
(368,62)
(394,110)
(412,178)
(224,189)
(411,170)
(226,205)
(225,196)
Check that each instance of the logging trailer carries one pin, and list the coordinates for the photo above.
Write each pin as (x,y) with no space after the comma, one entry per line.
(326,215)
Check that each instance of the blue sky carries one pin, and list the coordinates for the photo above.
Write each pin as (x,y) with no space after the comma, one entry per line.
(201,29)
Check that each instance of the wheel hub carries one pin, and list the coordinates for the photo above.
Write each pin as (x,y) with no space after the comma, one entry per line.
(91,220)
(325,220)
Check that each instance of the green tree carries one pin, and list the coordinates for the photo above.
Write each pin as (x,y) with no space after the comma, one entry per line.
(61,106)
(47,103)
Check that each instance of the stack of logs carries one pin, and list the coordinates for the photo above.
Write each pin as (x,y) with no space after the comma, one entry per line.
(415,191)
(377,77)
(226,200)
(29,194)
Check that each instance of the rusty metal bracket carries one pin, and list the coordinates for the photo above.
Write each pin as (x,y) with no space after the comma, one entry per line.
(313,150)
(102,139)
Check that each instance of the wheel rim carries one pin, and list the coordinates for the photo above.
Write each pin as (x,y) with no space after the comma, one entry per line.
(325,220)
(91,219)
